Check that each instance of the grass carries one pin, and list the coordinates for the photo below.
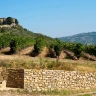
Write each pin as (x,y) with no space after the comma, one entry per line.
(52,64)
(86,95)
(49,92)
(46,63)
(61,92)
(27,62)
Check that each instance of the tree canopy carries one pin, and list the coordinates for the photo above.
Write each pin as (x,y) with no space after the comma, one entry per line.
(9,20)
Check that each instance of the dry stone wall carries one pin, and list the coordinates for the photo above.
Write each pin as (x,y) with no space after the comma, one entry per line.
(15,78)
(38,80)
(58,79)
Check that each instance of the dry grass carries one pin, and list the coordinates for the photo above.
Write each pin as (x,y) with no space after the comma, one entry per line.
(23,61)
(27,62)
(20,92)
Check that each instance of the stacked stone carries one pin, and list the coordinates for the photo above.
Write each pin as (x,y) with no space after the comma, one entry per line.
(15,78)
(3,77)
(38,80)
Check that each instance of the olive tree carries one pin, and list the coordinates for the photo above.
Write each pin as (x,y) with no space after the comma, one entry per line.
(39,45)
(58,47)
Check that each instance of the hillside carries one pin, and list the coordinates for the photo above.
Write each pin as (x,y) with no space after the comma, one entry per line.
(84,38)
(22,36)
(10,29)
(16,39)
(21,48)
(20,31)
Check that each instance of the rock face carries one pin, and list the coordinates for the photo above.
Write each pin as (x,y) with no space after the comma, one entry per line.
(5,25)
(4,19)
(3,77)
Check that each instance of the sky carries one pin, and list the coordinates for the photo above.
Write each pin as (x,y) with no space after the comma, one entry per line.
(54,18)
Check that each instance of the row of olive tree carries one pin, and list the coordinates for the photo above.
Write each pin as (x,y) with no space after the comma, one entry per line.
(91,49)
(58,46)
(40,43)
(16,43)
(78,48)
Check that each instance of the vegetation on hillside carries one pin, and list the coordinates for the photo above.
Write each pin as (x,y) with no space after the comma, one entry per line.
(84,38)
(18,38)
(16,42)
(39,45)
(58,47)
(78,48)
(24,38)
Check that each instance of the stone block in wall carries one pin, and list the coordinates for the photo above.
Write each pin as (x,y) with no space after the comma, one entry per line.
(58,79)
(15,78)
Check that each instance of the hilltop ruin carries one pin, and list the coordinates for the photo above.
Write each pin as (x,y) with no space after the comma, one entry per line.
(8,22)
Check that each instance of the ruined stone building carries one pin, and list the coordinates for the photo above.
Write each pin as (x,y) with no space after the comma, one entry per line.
(2,20)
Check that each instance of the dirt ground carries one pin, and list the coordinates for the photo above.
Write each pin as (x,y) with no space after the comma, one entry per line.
(24,93)
(16,93)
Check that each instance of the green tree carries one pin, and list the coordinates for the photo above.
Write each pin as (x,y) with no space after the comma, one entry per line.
(4,40)
(0,23)
(39,45)
(3,30)
(78,50)
(13,46)
(91,49)
(69,46)
(9,20)
(58,47)
(16,21)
